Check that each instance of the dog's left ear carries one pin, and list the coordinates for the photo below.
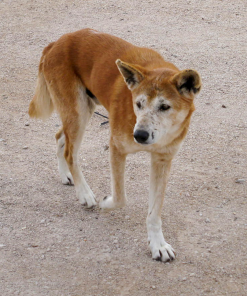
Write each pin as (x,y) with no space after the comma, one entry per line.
(131,75)
(188,82)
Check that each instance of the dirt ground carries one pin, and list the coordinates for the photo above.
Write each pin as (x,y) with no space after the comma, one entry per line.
(49,244)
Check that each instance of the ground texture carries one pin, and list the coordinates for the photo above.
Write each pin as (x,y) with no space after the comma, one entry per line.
(49,244)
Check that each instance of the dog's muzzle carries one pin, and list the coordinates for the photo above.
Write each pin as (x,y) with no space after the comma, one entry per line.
(141,136)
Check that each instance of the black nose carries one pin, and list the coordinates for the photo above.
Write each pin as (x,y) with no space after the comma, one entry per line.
(141,136)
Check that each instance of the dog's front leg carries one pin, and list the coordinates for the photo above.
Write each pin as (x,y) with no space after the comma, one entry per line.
(118,198)
(160,168)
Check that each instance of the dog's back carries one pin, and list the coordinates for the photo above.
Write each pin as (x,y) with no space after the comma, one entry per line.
(89,57)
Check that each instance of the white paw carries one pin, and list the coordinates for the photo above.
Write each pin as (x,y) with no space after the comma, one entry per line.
(162,252)
(86,197)
(67,179)
(160,249)
(108,203)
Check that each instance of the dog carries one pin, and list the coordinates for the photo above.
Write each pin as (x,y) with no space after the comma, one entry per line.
(149,101)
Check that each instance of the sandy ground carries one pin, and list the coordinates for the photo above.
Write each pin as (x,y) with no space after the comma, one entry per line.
(49,244)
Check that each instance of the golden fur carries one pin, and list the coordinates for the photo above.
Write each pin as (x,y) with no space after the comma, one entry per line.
(149,100)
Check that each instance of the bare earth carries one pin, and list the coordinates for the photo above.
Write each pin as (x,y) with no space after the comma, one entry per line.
(49,244)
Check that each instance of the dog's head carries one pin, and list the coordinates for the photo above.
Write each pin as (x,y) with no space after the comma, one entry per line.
(162,99)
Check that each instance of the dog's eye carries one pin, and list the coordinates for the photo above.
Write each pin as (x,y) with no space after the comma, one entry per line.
(164,107)
(139,105)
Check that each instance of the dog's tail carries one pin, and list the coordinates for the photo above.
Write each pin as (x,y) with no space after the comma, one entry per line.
(41,105)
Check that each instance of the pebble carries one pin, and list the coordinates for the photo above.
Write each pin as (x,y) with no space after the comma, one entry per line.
(240,181)
(25,147)
(127,217)
(2,246)
(207,220)
(27,124)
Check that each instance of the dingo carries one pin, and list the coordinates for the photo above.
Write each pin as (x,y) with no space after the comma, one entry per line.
(150,103)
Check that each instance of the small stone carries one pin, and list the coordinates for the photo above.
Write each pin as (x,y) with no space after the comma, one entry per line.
(27,124)
(115,241)
(192,274)
(240,181)
(2,140)
(207,220)
(25,147)
(106,147)
(223,106)
(2,245)
(127,217)
(184,279)
(153,287)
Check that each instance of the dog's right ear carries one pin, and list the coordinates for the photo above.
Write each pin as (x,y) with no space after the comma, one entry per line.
(131,75)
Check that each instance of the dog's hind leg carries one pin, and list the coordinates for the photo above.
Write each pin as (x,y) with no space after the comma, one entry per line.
(75,109)
(74,125)
(160,167)
(63,168)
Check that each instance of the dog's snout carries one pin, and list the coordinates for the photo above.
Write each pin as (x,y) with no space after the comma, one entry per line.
(141,136)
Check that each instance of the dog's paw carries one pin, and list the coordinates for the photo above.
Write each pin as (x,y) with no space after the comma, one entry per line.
(87,198)
(108,204)
(67,179)
(164,253)
(161,250)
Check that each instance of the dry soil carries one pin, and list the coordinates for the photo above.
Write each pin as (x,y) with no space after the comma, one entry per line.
(49,244)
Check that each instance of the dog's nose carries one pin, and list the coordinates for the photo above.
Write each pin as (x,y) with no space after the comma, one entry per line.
(141,136)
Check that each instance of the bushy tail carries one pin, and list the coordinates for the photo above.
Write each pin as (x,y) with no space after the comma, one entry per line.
(41,105)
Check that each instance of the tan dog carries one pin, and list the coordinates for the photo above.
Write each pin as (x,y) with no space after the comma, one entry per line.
(150,103)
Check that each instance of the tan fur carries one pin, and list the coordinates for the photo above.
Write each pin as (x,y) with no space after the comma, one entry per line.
(41,105)
(149,100)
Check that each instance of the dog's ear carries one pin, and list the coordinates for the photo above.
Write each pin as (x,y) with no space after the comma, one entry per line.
(188,82)
(131,75)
